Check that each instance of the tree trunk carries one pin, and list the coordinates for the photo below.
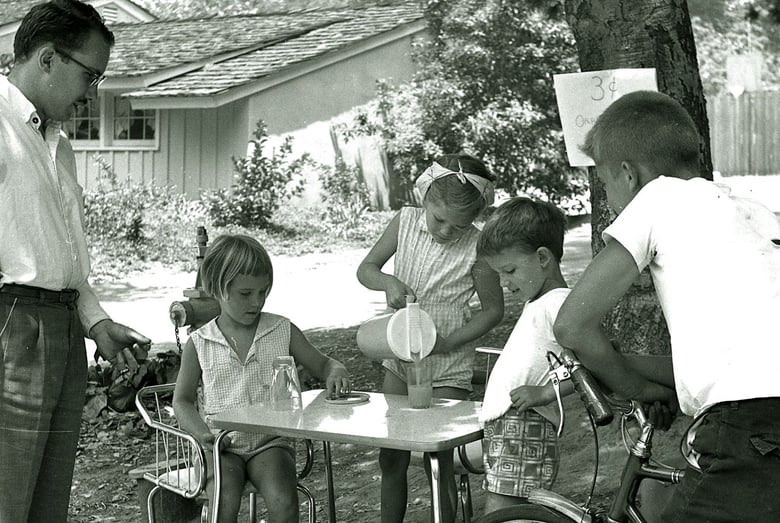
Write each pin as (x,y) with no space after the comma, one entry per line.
(612,34)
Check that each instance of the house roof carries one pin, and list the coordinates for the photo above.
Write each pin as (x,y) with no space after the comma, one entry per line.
(240,50)
(14,10)
(155,46)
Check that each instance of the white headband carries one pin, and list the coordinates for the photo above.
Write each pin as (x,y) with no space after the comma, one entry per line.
(436,171)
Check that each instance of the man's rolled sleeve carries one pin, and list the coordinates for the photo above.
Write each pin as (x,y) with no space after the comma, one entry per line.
(90,311)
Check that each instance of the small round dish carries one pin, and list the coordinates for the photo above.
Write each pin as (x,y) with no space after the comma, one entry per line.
(352,398)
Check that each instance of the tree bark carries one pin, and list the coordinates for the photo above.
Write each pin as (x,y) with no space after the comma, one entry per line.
(612,34)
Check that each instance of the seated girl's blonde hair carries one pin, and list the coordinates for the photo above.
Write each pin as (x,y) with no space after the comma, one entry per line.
(230,255)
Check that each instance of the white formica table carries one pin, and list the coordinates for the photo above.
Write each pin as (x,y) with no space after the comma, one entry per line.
(386,420)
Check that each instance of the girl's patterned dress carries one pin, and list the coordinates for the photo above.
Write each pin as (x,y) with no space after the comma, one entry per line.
(440,275)
(228,383)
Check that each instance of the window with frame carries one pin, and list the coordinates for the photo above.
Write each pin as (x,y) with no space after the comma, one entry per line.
(133,124)
(85,124)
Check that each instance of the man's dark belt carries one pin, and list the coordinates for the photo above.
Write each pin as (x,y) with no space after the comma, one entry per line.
(42,295)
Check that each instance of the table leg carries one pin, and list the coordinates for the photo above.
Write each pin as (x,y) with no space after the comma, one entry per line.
(329,481)
(435,486)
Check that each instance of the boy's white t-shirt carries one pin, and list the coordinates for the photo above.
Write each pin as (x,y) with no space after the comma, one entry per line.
(523,360)
(717,275)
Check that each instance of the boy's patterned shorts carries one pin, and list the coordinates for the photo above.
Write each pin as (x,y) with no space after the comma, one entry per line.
(520,453)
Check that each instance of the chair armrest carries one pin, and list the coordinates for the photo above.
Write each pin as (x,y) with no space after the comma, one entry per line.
(309,460)
(180,458)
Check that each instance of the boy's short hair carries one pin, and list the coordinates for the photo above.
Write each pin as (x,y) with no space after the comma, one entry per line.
(526,224)
(230,255)
(66,24)
(648,128)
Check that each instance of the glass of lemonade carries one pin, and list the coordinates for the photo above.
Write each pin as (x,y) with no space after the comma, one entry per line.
(419,384)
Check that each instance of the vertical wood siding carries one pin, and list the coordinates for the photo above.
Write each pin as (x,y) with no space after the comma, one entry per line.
(745,133)
(196,147)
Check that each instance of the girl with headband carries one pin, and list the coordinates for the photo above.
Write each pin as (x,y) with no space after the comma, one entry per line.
(436,263)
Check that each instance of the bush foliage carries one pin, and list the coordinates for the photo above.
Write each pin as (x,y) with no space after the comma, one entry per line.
(345,195)
(261,184)
(128,222)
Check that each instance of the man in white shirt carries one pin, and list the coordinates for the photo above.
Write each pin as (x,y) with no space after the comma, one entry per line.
(715,263)
(46,303)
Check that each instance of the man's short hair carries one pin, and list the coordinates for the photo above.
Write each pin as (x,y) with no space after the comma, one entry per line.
(66,24)
(648,128)
(525,224)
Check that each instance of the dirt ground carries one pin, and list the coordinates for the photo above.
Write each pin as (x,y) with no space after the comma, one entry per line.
(118,443)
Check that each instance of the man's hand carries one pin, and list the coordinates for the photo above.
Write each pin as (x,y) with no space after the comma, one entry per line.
(118,344)
(661,411)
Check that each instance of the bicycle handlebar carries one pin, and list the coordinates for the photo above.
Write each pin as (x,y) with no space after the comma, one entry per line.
(589,390)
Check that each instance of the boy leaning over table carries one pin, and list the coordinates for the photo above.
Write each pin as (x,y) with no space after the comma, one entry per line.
(715,263)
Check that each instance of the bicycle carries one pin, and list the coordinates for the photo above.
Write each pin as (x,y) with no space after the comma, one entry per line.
(546,506)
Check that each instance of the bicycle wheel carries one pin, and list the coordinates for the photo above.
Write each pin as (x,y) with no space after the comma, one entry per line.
(527,513)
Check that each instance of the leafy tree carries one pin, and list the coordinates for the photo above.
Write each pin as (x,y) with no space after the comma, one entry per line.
(485,86)
(6,59)
(728,27)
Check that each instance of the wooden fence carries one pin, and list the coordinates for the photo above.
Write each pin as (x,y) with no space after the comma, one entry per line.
(745,133)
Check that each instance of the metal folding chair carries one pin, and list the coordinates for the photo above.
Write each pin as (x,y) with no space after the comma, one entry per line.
(180,459)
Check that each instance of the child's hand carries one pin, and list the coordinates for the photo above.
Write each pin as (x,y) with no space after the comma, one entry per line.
(527,396)
(396,292)
(207,440)
(338,383)
(441,346)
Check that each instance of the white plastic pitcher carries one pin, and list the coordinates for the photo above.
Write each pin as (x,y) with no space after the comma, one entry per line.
(388,336)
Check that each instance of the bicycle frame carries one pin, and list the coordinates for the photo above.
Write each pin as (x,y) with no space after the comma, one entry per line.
(638,467)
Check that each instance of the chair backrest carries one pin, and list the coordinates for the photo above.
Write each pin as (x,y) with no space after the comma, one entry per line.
(179,457)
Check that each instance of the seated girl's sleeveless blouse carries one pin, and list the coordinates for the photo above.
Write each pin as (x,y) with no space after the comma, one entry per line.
(440,275)
(228,383)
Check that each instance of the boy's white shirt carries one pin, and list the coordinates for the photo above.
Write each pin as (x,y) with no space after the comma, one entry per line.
(523,360)
(717,276)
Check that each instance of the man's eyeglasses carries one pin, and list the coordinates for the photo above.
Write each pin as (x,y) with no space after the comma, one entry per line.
(95,77)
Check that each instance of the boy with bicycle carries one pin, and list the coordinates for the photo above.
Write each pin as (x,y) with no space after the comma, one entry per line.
(715,263)
(523,242)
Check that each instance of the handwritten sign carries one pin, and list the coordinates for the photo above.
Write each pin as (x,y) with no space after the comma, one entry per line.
(582,97)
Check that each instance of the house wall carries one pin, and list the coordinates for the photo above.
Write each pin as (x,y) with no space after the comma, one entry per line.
(306,107)
(195,151)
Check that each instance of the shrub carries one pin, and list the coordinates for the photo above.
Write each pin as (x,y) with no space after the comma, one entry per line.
(129,222)
(346,198)
(261,184)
